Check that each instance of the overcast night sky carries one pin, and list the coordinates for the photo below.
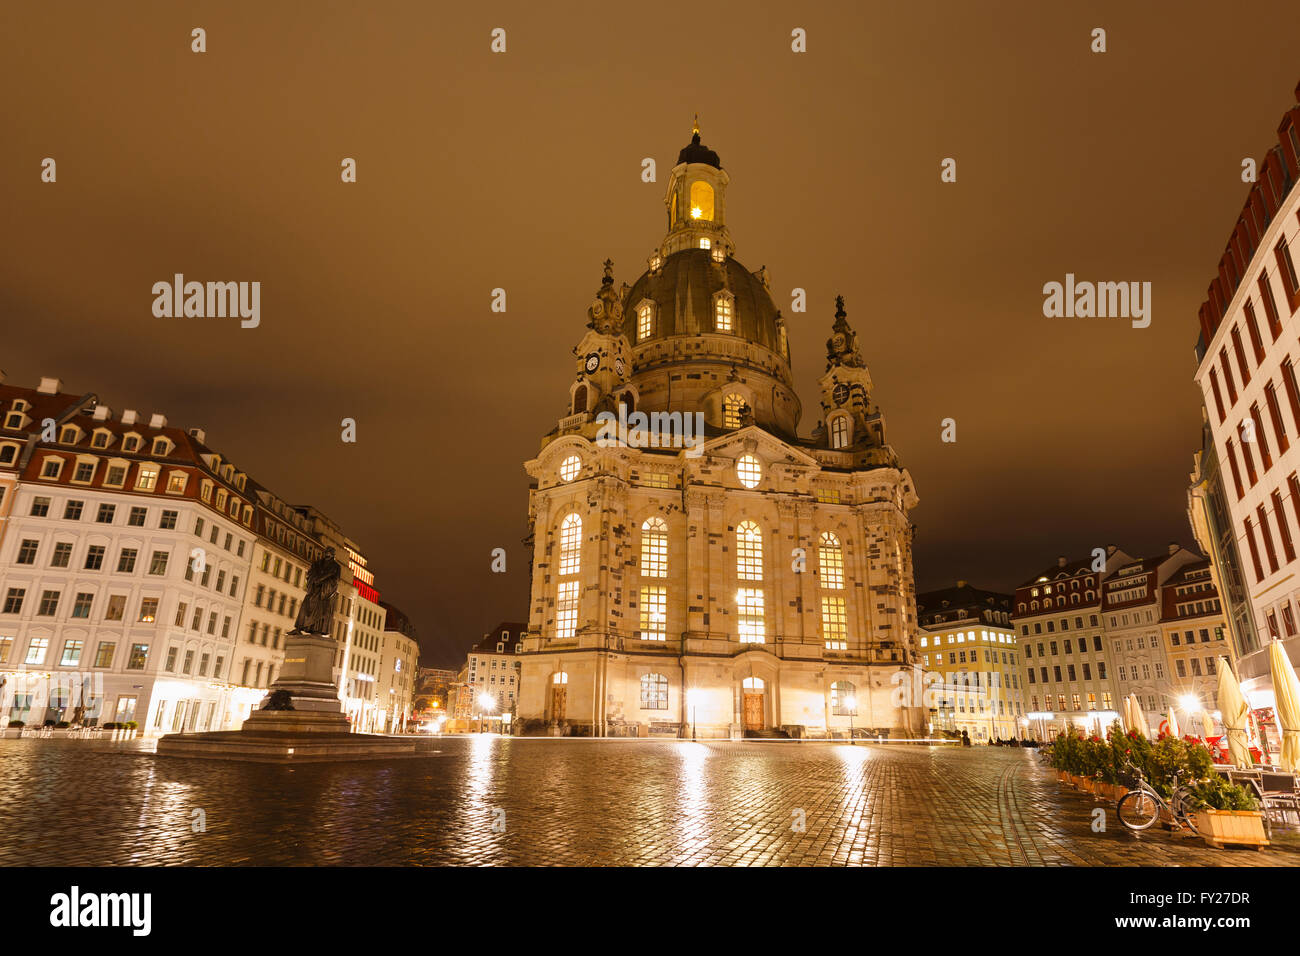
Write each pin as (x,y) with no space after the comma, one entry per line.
(522,170)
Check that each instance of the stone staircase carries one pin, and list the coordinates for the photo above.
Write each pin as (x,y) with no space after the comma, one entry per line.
(767,733)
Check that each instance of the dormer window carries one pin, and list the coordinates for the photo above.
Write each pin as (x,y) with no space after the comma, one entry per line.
(731,406)
(176,482)
(719,253)
(723,306)
(70,435)
(8,454)
(101,438)
(147,479)
(205,491)
(51,467)
(644,320)
(14,420)
(162,447)
(656,262)
(130,442)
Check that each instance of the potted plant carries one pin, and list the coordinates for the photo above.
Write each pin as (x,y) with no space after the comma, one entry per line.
(1227,813)
(14,729)
(130,727)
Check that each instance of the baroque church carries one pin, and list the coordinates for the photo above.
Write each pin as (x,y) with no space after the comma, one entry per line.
(742,581)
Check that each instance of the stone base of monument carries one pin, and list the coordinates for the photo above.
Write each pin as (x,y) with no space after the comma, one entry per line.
(315,730)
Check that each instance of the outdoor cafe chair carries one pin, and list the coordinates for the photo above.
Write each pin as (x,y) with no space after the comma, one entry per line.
(1280,791)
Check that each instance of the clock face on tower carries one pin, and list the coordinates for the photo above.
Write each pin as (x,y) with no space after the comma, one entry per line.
(593,362)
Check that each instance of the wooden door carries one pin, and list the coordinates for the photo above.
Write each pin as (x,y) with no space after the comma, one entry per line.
(753,711)
(558,696)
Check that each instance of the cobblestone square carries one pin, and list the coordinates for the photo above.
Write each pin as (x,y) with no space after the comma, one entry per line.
(504,801)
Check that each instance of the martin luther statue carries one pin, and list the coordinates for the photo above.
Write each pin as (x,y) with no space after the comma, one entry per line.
(315,614)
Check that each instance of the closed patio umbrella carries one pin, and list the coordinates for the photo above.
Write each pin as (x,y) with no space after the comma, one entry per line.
(1174,729)
(1234,709)
(1286,693)
(1126,714)
(1139,717)
(1207,724)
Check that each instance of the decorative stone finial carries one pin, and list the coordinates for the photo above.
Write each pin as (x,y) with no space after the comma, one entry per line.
(605,314)
(842,346)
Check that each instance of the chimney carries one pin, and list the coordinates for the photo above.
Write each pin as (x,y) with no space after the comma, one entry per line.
(1111,549)
(157,421)
(1060,562)
(199,435)
(103,413)
(1174,547)
(50,386)
(128,417)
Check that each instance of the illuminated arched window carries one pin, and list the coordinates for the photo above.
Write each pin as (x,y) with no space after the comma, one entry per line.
(570,544)
(731,406)
(840,431)
(701,201)
(580,399)
(843,699)
(749,552)
(654,564)
(654,548)
(644,320)
(830,559)
(751,625)
(559,677)
(753,683)
(723,307)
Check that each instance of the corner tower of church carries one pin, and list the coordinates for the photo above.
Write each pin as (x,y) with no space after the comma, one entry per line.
(702,569)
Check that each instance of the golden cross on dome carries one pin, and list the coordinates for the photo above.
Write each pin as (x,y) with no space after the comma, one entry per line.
(695,129)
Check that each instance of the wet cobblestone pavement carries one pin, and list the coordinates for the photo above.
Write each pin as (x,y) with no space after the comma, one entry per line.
(569,802)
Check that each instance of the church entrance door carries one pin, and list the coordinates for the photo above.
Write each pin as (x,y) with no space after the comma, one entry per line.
(753,711)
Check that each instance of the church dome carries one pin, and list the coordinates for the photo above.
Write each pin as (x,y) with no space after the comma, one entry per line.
(684,292)
(697,152)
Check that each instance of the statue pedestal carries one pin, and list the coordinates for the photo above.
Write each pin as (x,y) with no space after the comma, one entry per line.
(315,730)
(308,676)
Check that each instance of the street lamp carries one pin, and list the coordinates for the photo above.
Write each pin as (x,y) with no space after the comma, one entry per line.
(486,702)
(851,703)
(692,701)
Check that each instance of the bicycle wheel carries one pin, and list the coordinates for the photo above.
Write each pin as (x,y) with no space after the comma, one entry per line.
(1137,810)
(1185,813)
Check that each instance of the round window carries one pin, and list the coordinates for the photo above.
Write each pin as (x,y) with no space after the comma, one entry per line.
(570,467)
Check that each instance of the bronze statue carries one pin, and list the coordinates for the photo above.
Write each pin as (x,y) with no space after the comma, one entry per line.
(315,614)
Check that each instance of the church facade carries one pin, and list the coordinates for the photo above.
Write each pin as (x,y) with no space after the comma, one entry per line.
(698,568)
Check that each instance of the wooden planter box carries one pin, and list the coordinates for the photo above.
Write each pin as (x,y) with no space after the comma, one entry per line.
(1114,791)
(1236,827)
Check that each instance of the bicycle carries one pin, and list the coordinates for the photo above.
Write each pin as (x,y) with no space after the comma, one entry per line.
(1139,809)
